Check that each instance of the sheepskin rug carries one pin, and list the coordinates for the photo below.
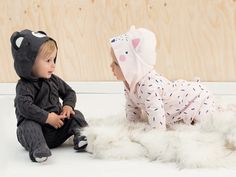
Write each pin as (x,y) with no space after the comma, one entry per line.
(211,143)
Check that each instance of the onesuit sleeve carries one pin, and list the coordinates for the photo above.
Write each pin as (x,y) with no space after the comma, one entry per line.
(24,103)
(133,112)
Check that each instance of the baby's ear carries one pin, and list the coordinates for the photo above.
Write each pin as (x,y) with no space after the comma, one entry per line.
(16,40)
(136,43)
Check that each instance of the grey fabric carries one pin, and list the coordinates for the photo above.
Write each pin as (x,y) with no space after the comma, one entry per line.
(36,138)
(31,137)
(24,54)
(80,143)
(35,99)
(73,126)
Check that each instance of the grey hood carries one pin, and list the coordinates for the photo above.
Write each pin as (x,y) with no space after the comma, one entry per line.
(25,46)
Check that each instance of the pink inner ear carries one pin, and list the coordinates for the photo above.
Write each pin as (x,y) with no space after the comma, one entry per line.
(135,42)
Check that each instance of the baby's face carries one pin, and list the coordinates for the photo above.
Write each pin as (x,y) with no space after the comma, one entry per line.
(44,66)
(116,68)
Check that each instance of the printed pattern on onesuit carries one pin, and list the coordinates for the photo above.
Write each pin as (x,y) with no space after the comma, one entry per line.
(165,102)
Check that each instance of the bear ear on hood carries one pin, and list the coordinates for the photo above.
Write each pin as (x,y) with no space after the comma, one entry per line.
(16,40)
(42,32)
(39,34)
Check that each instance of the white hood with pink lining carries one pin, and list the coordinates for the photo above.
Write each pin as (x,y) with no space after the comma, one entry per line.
(136,54)
(162,101)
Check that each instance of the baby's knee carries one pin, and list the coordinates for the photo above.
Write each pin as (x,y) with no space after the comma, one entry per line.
(79,119)
(78,114)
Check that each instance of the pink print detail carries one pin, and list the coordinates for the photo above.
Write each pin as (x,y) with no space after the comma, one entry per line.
(135,42)
(122,58)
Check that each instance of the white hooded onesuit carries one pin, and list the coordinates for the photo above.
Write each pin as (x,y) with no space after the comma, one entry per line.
(164,102)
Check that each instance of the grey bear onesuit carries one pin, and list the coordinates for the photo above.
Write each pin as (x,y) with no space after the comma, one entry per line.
(37,97)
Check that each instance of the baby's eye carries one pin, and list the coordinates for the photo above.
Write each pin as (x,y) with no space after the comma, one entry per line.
(126,52)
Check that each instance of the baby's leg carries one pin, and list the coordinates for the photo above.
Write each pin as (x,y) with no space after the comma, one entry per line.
(80,141)
(30,135)
(207,107)
(79,118)
(72,126)
(202,106)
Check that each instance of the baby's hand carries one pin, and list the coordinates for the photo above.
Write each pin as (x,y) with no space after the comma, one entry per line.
(67,111)
(55,120)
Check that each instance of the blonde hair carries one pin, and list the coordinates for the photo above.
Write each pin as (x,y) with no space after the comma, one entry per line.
(47,48)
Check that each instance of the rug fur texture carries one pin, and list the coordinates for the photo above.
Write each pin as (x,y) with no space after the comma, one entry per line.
(212,143)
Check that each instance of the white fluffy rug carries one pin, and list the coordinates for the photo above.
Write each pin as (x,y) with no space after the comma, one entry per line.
(209,144)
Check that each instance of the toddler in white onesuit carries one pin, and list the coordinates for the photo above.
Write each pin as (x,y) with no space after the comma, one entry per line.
(164,102)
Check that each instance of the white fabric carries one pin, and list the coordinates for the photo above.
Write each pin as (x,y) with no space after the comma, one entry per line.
(162,101)
(136,54)
(209,144)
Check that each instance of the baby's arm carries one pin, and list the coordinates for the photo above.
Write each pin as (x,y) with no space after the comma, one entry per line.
(133,113)
(66,93)
(154,109)
(24,103)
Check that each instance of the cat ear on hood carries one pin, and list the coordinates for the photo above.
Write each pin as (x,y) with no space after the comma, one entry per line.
(135,38)
(132,28)
(136,43)
(16,40)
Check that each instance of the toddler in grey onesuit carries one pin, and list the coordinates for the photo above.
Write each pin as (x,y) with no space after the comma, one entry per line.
(43,122)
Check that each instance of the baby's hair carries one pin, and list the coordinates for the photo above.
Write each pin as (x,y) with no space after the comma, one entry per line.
(113,56)
(47,48)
